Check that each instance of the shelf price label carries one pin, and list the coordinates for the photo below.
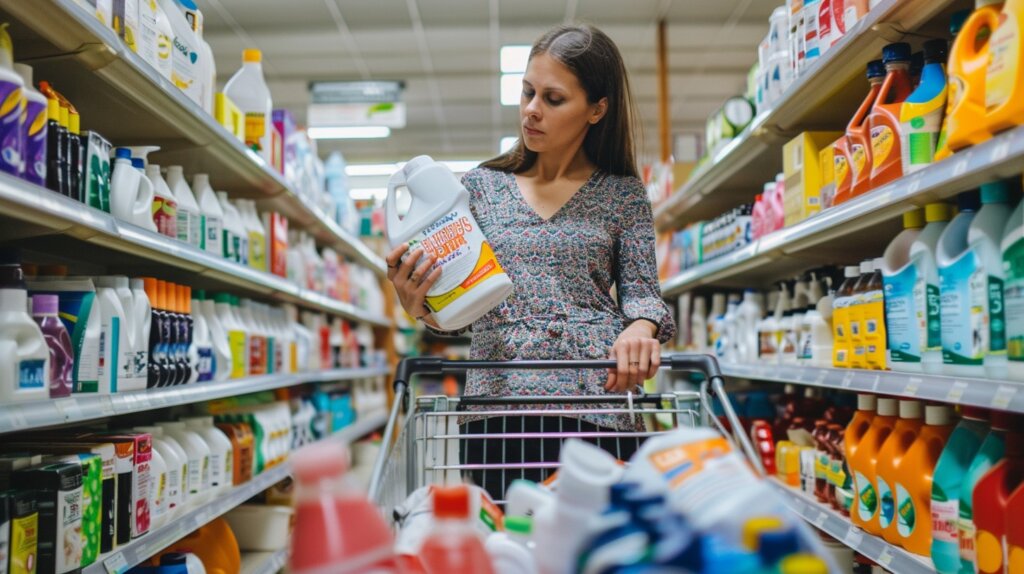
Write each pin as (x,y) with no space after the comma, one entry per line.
(820,520)
(885,557)
(956,392)
(854,537)
(116,564)
(848,379)
(822,375)
(913,385)
(1003,397)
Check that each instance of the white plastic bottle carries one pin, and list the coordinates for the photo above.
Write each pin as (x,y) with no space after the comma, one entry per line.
(165,203)
(257,236)
(135,358)
(115,325)
(798,308)
(131,195)
(208,68)
(233,229)
(24,354)
(211,213)
(186,62)
(157,488)
(155,37)
(726,347)
(221,452)
(78,302)
(927,302)
(962,351)
(985,237)
(750,313)
(714,320)
(221,349)
(899,276)
(198,453)
(190,224)
(816,333)
(201,354)
(237,339)
(142,310)
(510,551)
(248,90)
(176,462)
(785,345)
(1013,292)
(768,348)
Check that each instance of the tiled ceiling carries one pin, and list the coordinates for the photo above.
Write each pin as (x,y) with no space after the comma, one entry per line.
(446,52)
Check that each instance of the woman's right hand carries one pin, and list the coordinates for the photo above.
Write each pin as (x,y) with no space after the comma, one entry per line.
(412,282)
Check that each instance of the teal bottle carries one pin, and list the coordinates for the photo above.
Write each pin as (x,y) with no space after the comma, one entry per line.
(991,452)
(947,481)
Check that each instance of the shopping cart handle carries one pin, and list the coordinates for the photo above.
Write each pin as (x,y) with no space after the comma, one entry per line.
(409,367)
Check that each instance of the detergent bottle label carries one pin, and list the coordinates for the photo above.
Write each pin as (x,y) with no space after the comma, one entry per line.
(867,496)
(887,503)
(902,321)
(462,252)
(212,232)
(1013,299)
(75,312)
(945,513)
(257,251)
(35,142)
(921,124)
(255,129)
(165,216)
(236,340)
(991,552)
(24,543)
(964,298)
(882,142)
(205,364)
(927,308)
(31,374)
(12,104)
(841,166)
(967,532)
(1004,62)
(906,515)
(858,160)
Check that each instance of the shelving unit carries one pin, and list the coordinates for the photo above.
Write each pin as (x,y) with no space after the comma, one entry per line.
(892,558)
(985,393)
(832,86)
(264,562)
(122,97)
(142,548)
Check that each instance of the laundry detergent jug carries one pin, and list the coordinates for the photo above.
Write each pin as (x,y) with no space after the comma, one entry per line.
(472,281)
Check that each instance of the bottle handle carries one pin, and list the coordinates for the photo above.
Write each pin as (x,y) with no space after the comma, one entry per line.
(144,201)
(391,202)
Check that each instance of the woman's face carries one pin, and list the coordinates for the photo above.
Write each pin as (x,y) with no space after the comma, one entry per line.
(554,112)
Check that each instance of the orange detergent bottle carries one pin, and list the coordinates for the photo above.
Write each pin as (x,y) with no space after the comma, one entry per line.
(884,120)
(858,136)
(907,428)
(942,150)
(863,465)
(991,501)
(859,425)
(1015,533)
(1004,83)
(968,62)
(914,480)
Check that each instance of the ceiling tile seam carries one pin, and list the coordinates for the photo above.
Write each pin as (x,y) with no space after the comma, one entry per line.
(239,30)
(428,66)
(348,39)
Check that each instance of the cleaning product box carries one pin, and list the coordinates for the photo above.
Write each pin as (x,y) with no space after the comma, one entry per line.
(13,462)
(125,21)
(24,532)
(801,167)
(58,494)
(827,163)
(228,115)
(276,226)
(96,181)
(284,122)
(92,500)
(134,451)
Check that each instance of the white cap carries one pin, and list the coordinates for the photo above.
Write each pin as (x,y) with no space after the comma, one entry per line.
(886,407)
(867,402)
(910,409)
(172,425)
(586,474)
(199,422)
(156,431)
(851,271)
(938,415)
(867,266)
(879,263)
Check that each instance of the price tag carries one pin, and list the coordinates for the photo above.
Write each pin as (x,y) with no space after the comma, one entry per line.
(914,185)
(69,409)
(116,564)
(1003,397)
(885,558)
(822,375)
(821,519)
(17,419)
(913,384)
(1000,152)
(848,379)
(107,406)
(854,537)
(956,392)
(875,382)
(961,166)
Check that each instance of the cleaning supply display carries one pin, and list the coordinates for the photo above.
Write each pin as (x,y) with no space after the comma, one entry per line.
(902,318)
(453,546)
(884,119)
(968,65)
(961,448)
(471,281)
(962,351)
(922,112)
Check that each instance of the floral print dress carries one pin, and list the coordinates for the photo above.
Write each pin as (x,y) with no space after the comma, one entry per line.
(563,270)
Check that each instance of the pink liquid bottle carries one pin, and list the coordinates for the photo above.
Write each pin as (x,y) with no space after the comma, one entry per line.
(337,530)
(453,547)
(62,359)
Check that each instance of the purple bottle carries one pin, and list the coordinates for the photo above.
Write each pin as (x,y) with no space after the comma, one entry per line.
(44,311)
(33,130)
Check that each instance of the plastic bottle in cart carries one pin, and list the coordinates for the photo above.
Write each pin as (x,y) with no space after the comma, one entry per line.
(858,139)
(189,222)
(472,281)
(925,323)
(453,546)
(131,195)
(884,120)
(991,498)
(947,480)
(212,215)
(511,551)
(914,480)
(1012,247)
(968,63)
(336,528)
(992,451)
(888,470)
(922,112)
(165,203)
(961,340)
(248,90)
(864,467)
(44,312)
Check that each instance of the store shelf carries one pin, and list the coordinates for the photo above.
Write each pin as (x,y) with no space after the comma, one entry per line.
(872,218)
(892,558)
(985,393)
(38,218)
(824,97)
(142,548)
(264,562)
(123,98)
(85,407)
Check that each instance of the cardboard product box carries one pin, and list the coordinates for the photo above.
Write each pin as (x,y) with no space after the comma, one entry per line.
(801,166)
(58,494)
(134,451)
(125,21)
(92,500)
(23,547)
(276,226)
(827,161)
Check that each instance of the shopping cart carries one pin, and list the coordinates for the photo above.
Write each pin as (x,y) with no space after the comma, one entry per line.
(427,448)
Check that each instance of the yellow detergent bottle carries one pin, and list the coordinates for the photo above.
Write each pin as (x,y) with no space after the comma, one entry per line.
(858,301)
(842,349)
(967,67)
(956,24)
(1004,82)
(874,319)
(472,282)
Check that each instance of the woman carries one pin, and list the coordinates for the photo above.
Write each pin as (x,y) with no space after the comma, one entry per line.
(571,224)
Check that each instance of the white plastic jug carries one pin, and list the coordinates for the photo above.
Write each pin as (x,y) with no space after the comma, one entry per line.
(221,358)
(177,469)
(212,215)
(926,293)
(198,453)
(962,352)
(248,90)
(133,358)
(985,237)
(84,321)
(190,225)
(439,220)
(24,355)
(142,312)
(899,276)
(1013,291)
(118,345)
(131,194)
(221,451)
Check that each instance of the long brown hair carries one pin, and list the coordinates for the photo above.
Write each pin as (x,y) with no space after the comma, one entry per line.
(596,62)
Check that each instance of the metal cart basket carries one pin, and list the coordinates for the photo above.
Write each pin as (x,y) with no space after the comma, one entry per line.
(426,449)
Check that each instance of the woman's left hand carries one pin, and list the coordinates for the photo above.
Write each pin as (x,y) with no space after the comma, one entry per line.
(638,354)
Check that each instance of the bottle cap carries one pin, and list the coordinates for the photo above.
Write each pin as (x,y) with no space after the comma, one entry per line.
(957,20)
(886,407)
(898,52)
(149,285)
(451,502)
(995,192)
(851,271)
(867,402)
(755,527)
(803,564)
(74,123)
(968,201)
(222,298)
(44,304)
(867,266)
(137,163)
(252,56)
(186,293)
(122,153)
(938,415)
(939,211)
(936,51)
(913,219)
(519,525)
(199,294)
(910,409)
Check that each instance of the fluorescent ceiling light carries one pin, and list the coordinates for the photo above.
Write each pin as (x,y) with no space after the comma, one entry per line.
(338,133)
(514,58)
(511,89)
(506,143)
(377,169)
